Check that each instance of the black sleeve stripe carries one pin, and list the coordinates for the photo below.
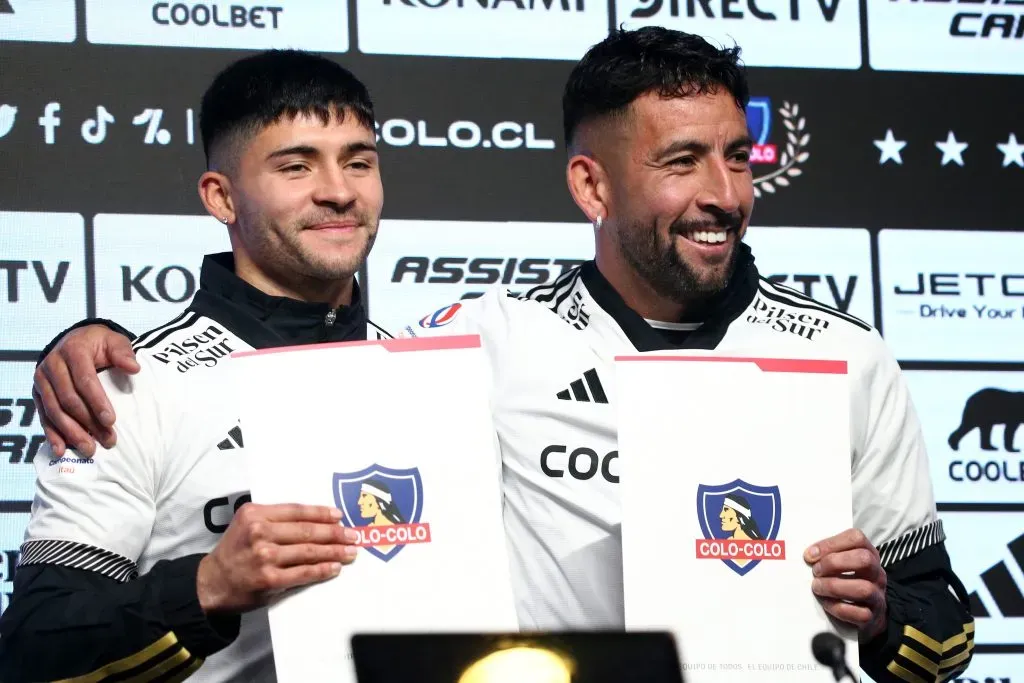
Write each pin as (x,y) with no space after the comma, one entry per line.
(800,296)
(105,565)
(962,638)
(923,638)
(898,549)
(189,321)
(904,674)
(79,556)
(956,653)
(168,669)
(951,665)
(789,297)
(952,675)
(922,659)
(555,292)
(911,543)
(163,660)
(919,659)
(157,330)
(381,332)
(180,674)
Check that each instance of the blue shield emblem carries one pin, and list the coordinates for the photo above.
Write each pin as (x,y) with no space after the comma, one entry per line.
(759,119)
(741,512)
(379,500)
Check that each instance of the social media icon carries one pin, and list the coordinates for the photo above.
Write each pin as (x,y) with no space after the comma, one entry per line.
(7,116)
(94,131)
(49,121)
(154,133)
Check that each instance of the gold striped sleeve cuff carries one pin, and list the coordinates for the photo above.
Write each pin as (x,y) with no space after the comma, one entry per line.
(164,661)
(922,659)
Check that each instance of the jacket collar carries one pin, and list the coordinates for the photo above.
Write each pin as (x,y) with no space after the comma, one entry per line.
(265,321)
(724,310)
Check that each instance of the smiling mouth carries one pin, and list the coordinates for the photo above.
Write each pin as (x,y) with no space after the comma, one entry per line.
(707,236)
(334,226)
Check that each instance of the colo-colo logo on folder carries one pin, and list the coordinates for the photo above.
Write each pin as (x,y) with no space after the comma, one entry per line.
(384,505)
(740,523)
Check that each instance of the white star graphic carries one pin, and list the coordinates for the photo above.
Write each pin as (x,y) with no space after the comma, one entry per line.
(890,147)
(1013,152)
(952,151)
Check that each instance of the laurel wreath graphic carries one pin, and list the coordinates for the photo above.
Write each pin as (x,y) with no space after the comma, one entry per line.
(795,154)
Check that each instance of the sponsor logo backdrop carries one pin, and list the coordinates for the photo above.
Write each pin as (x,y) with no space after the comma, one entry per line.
(21,436)
(321,26)
(830,265)
(147,267)
(900,208)
(417,267)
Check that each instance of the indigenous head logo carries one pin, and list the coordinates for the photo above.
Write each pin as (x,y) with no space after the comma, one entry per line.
(740,523)
(384,505)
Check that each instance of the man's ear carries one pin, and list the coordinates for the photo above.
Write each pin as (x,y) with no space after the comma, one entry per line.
(215,193)
(588,185)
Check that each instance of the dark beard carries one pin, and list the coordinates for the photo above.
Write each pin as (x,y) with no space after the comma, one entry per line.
(661,267)
(282,253)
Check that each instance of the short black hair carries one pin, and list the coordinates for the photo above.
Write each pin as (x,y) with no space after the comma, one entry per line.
(259,90)
(628,64)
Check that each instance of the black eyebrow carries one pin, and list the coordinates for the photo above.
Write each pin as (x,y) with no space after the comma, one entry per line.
(356,147)
(739,143)
(310,151)
(698,147)
(300,150)
(678,146)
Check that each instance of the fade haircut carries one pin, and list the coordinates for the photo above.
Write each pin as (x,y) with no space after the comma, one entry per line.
(260,90)
(628,64)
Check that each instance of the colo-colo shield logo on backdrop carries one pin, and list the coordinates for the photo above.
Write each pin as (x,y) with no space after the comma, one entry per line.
(780,150)
(740,523)
(384,505)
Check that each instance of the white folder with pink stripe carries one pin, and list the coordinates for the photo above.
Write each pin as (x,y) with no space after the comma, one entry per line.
(398,435)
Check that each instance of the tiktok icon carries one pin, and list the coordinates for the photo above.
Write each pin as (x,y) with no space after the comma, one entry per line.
(94,131)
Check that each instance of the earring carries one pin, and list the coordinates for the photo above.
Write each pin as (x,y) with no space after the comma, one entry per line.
(224,221)
(597,222)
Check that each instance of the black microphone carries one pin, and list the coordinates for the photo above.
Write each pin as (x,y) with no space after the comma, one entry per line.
(830,650)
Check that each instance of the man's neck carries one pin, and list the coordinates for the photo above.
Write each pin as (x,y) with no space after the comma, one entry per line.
(334,293)
(637,294)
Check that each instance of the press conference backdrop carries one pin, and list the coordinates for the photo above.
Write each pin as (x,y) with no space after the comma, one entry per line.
(889,170)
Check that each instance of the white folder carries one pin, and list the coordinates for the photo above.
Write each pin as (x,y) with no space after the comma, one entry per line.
(350,425)
(729,469)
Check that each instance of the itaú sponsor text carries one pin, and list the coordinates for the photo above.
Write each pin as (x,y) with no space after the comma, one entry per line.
(727,549)
(394,534)
(461,134)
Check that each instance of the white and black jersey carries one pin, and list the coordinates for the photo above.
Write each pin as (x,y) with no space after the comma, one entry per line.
(106,586)
(552,353)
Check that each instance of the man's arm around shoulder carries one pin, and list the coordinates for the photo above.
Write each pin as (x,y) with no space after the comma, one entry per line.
(73,408)
(79,606)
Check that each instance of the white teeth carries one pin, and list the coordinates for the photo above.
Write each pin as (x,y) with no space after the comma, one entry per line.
(708,237)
